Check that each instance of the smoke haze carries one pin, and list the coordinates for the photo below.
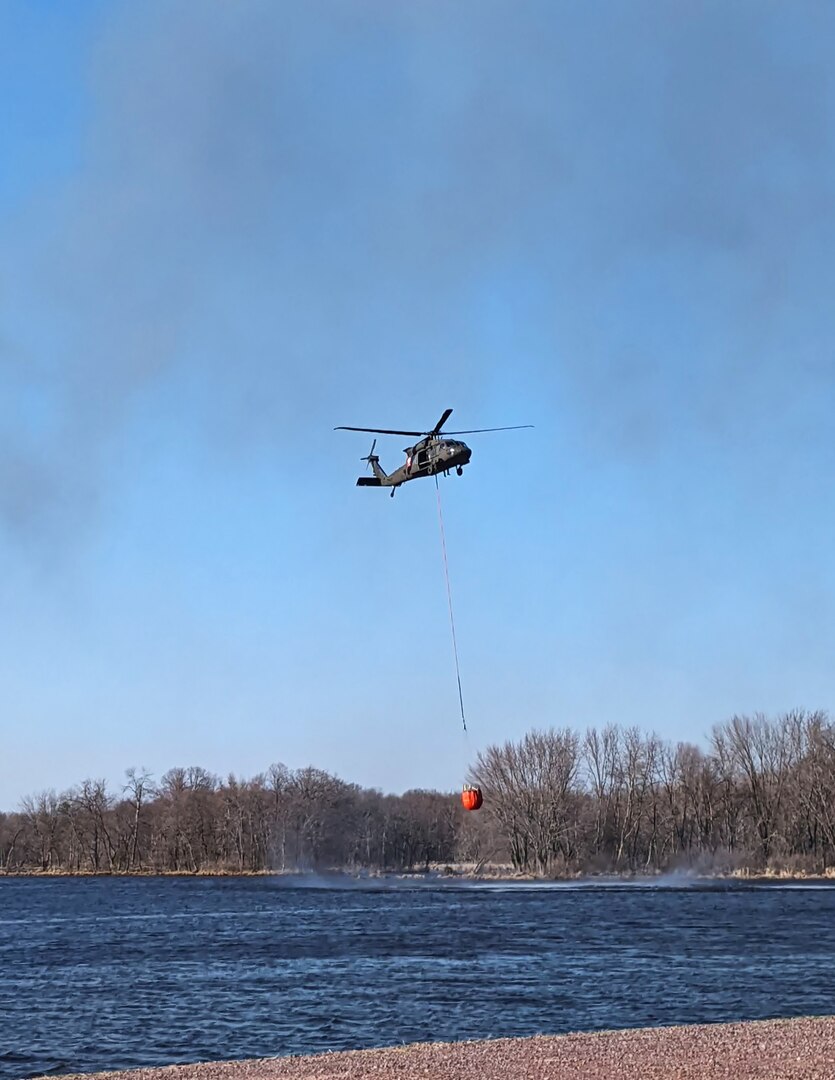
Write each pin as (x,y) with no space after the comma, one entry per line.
(270,198)
(229,227)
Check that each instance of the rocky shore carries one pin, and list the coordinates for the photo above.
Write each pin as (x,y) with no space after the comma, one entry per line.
(802,1049)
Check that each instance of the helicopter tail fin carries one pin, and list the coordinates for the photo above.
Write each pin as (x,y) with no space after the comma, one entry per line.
(380,475)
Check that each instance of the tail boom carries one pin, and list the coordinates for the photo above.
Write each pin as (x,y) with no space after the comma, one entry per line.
(380,477)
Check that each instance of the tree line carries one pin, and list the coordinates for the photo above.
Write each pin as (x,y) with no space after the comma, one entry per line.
(760,795)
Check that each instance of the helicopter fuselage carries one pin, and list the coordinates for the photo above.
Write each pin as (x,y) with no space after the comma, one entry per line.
(428,457)
(432,456)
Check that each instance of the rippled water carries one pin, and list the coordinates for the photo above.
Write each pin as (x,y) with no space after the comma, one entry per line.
(110,973)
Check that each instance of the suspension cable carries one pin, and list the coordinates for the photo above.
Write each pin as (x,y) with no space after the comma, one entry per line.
(449,600)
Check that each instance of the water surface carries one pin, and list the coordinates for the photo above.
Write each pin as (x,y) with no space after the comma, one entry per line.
(108,973)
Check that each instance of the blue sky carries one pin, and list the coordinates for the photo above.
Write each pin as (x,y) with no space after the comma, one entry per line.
(227,228)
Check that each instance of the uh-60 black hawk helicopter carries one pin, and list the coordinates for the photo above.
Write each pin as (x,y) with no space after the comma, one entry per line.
(432,454)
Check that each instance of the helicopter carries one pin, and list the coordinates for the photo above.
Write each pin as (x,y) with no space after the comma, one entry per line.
(430,455)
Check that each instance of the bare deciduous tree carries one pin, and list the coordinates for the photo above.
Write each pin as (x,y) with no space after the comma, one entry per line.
(556,802)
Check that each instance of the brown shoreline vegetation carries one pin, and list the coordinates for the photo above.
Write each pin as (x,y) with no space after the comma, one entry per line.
(801,1049)
(484,874)
(558,803)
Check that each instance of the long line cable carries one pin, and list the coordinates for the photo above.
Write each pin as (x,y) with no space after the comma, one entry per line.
(449,600)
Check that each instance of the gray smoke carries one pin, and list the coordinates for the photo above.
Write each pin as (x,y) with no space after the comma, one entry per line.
(276,200)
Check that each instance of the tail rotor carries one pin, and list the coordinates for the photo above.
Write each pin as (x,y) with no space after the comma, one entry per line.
(372,457)
(379,478)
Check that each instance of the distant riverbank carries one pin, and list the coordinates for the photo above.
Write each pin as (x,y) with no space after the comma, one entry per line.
(451,874)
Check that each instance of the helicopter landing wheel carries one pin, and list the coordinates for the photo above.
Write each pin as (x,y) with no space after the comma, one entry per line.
(459,470)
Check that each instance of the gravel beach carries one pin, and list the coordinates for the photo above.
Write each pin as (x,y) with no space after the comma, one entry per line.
(774,1049)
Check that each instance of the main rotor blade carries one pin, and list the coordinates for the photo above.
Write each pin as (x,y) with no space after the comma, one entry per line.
(479,430)
(379,431)
(441,422)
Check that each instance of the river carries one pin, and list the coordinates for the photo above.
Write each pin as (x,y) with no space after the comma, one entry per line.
(109,973)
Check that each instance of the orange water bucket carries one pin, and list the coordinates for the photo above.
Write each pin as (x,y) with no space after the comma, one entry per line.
(471,797)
